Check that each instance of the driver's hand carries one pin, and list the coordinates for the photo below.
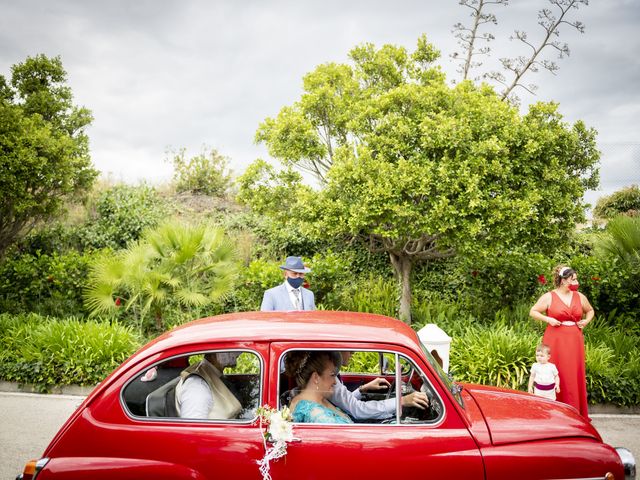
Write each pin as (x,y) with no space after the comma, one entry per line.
(375,385)
(416,399)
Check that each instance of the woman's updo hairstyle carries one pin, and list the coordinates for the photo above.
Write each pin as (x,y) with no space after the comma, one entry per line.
(300,365)
(560,273)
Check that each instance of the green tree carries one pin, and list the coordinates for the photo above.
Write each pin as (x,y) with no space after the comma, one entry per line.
(269,192)
(191,265)
(625,201)
(44,150)
(206,174)
(423,171)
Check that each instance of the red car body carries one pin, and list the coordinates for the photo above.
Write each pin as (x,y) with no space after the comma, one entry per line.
(480,432)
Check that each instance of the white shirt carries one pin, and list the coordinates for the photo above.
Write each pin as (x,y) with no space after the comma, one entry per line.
(544,373)
(350,403)
(196,399)
(292,295)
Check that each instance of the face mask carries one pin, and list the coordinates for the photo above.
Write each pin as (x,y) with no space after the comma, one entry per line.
(227,359)
(295,282)
(574,287)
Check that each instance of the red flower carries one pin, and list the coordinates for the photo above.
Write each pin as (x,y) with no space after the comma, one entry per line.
(542,280)
(118,302)
(595,278)
(305,284)
(474,273)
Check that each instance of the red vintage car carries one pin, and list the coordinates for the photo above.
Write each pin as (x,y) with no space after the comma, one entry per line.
(128,428)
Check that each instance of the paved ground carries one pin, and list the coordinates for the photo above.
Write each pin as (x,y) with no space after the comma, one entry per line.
(29,421)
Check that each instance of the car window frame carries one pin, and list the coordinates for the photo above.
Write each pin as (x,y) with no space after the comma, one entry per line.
(398,378)
(231,421)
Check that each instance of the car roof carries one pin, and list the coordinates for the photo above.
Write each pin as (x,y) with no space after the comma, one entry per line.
(318,325)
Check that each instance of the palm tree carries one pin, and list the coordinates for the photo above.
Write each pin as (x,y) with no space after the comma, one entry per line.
(621,240)
(193,266)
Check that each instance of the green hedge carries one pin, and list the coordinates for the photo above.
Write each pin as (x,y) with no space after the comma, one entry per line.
(500,351)
(45,351)
(47,284)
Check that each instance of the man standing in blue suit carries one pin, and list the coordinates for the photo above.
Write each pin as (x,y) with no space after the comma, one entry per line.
(290,295)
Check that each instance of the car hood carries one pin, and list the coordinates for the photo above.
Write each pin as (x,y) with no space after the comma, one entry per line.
(513,416)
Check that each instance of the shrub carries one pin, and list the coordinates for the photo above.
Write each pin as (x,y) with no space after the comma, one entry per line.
(372,294)
(121,214)
(47,239)
(272,239)
(45,351)
(613,363)
(498,355)
(610,286)
(258,276)
(330,273)
(621,240)
(624,201)
(49,284)
(206,174)
(497,281)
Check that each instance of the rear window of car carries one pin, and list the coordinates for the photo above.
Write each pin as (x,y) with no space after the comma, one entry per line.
(215,385)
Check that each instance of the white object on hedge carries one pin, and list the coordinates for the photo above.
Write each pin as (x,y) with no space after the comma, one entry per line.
(434,338)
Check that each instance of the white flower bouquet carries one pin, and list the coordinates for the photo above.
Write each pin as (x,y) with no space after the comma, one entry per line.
(277,432)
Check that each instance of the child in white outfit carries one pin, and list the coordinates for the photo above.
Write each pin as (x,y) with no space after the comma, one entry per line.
(544,380)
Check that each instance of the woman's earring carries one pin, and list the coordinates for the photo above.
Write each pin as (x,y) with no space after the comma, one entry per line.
(317,388)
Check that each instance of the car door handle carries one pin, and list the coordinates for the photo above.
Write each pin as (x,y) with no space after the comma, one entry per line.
(294,440)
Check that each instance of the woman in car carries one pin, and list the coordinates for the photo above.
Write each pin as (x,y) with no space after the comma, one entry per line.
(315,375)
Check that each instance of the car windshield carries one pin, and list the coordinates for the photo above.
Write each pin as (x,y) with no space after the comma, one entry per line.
(453,387)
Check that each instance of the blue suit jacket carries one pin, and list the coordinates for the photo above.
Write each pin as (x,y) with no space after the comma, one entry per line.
(277,298)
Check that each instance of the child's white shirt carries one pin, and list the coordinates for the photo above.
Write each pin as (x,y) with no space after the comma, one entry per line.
(545,373)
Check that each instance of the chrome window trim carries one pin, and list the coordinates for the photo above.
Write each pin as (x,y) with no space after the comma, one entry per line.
(437,423)
(145,419)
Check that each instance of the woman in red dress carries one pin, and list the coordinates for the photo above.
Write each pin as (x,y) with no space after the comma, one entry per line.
(567,312)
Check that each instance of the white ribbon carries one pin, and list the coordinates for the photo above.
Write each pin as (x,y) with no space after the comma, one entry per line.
(276,450)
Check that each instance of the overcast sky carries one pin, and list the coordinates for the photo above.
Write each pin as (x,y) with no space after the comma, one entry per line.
(161,75)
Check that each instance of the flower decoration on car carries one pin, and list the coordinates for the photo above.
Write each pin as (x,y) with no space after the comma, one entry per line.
(277,432)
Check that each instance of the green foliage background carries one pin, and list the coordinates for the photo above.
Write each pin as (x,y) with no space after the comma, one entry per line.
(423,167)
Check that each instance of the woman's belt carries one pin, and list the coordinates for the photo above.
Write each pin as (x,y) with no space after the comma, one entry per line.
(539,386)
(568,323)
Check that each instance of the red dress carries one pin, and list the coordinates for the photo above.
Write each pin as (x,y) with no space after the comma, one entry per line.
(567,351)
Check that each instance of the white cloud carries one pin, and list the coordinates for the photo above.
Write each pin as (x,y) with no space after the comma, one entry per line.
(160,74)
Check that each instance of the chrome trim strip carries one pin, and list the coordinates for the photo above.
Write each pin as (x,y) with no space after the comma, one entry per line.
(194,420)
(437,423)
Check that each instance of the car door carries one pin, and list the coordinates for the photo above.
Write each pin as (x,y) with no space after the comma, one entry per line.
(441,448)
(118,437)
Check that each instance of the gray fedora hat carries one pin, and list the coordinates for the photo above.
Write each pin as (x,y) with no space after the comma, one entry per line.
(295,265)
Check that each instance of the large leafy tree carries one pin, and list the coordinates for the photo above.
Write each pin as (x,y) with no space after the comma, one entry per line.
(44,153)
(421,170)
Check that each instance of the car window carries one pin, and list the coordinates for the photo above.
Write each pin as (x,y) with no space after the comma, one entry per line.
(353,393)
(213,385)
(447,379)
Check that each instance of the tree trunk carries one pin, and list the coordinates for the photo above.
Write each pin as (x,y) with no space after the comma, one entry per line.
(402,265)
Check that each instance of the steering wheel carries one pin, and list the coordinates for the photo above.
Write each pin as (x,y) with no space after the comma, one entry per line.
(391,393)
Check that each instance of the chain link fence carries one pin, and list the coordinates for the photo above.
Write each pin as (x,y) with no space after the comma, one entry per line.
(619,168)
